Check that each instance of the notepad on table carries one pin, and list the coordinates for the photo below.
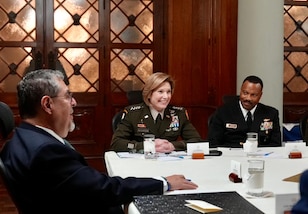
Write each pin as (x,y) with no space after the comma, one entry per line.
(202,206)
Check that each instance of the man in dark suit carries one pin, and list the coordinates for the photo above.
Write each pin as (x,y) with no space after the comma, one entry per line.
(231,122)
(47,174)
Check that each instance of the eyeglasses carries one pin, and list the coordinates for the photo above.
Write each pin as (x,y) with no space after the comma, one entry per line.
(68,96)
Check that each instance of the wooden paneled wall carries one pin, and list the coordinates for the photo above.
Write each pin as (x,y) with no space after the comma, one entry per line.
(201,40)
(295,106)
(202,49)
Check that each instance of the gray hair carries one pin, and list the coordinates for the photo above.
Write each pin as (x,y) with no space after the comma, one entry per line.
(33,87)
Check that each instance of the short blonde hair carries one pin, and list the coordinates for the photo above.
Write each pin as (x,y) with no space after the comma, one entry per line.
(154,82)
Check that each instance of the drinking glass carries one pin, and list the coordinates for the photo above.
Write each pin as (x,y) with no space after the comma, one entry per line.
(251,144)
(149,146)
(255,178)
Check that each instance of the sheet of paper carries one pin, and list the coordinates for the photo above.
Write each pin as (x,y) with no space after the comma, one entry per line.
(176,155)
(169,158)
(236,168)
(129,155)
(198,147)
(285,202)
(202,206)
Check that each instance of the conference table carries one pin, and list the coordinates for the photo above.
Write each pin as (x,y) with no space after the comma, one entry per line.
(212,173)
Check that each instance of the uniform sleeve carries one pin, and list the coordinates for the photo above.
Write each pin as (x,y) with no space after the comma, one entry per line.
(73,175)
(122,139)
(276,137)
(216,130)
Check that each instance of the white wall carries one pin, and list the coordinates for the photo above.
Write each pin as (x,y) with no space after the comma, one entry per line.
(260,47)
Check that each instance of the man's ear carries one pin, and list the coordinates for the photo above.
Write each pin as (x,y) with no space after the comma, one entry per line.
(46,103)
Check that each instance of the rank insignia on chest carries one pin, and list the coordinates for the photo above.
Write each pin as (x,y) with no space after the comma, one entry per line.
(266,125)
(143,130)
(175,123)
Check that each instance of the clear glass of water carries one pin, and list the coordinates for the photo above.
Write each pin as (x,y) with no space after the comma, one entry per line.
(149,146)
(255,180)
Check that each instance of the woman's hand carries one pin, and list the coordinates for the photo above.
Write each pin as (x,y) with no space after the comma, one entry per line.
(163,146)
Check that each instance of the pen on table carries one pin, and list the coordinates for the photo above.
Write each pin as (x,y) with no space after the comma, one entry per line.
(266,154)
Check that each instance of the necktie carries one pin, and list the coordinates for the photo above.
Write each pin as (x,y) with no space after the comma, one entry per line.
(249,120)
(158,121)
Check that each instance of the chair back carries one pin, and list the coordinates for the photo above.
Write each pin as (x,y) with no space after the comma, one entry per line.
(5,179)
(229,98)
(7,125)
(304,127)
(7,122)
(134,97)
(116,120)
(210,119)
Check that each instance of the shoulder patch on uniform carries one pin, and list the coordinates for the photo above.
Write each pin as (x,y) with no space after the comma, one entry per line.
(123,114)
(187,114)
(134,107)
(178,108)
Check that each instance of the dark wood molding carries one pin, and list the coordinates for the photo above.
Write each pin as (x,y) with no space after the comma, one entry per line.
(295,105)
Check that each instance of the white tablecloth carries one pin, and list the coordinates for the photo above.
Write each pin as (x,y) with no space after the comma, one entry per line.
(211,173)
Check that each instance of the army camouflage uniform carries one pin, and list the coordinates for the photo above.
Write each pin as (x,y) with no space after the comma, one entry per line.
(137,121)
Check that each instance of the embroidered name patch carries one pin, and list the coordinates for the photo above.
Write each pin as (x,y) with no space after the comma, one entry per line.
(141,125)
(231,126)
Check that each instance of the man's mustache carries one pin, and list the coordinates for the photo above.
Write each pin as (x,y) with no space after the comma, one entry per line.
(247,101)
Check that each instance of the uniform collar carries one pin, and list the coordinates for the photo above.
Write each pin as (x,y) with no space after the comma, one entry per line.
(154,113)
(245,111)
